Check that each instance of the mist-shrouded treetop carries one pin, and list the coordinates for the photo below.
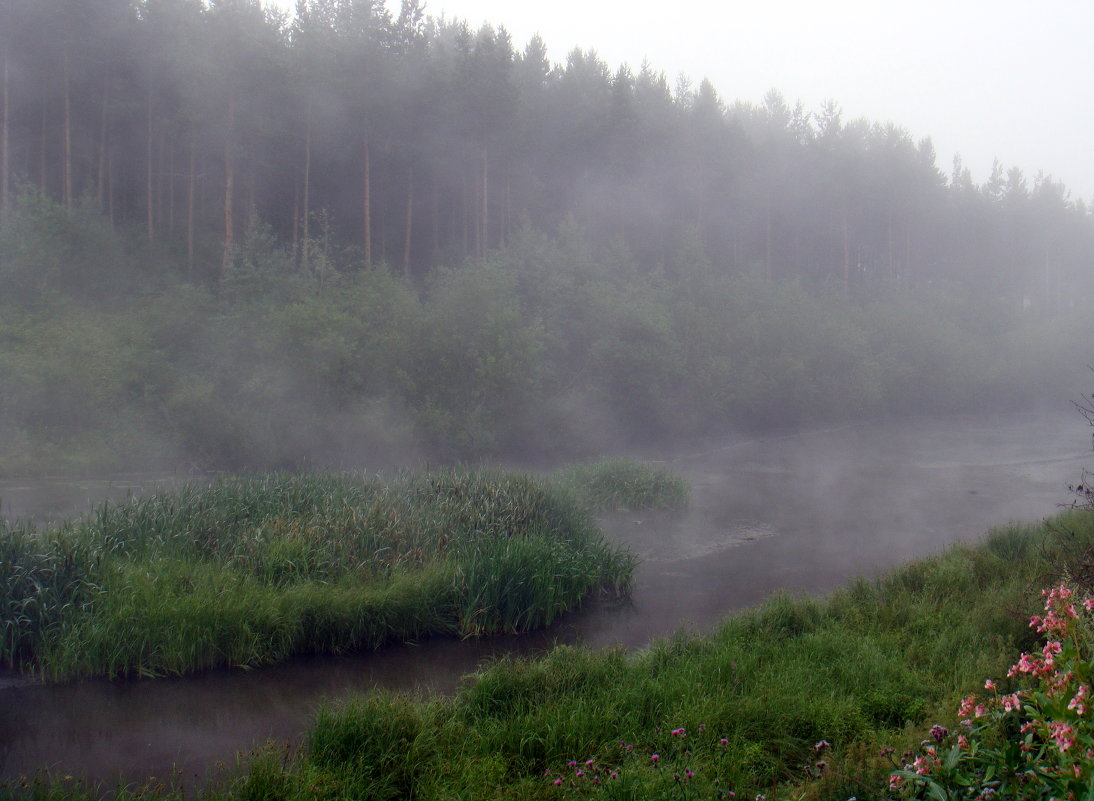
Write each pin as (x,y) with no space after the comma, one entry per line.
(420,142)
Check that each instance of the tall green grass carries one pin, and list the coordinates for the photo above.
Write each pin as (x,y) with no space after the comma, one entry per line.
(624,484)
(737,711)
(864,668)
(250,570)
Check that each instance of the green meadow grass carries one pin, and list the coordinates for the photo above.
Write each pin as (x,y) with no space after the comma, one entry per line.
(251,570)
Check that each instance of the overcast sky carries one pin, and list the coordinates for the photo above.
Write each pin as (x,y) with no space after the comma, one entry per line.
(985,78)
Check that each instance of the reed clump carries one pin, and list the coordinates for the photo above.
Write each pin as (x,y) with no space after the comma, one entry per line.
(620,484)
(250,570)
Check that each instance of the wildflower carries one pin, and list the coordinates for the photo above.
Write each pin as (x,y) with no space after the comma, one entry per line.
(557,782)
(821,745)
(613,775)
(724,741)
(939,733)
(681,732)
(1063,734)
(1088,604)
(572,763)
(688,774)
(590,762)
(580,773)
(655,758)
(962,742)
(702,726)
(1011,702)
(895,783)
(1076,702)
(989,685)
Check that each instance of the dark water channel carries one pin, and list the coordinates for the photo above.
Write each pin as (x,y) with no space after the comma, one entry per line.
(802,512)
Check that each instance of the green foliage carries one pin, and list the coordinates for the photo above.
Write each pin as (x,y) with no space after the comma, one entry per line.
(623,484)
(547,346)
(1030,737)
(245,571)
(792,699)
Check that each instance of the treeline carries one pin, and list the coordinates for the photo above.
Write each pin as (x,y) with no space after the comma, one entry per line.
(547,349)
(362,136)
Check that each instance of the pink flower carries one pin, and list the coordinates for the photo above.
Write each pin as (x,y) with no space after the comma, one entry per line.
(557,782)
(1088,604)
(724,741)
(895,783)
(1011,702)
(1063,734)
(1076,702)
(655,758)
(989,685)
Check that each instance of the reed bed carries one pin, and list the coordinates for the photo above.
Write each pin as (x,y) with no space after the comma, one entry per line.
(624,484)
(250,570)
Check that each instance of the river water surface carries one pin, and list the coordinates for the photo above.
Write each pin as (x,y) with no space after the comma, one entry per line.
(802,512)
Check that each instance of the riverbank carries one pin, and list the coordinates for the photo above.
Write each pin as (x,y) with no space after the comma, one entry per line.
(248,571)
(738,711)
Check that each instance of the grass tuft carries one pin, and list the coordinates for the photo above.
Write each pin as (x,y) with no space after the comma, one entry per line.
(624,484)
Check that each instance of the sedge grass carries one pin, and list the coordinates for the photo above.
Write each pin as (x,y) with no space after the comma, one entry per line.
(624,484)
(251,570)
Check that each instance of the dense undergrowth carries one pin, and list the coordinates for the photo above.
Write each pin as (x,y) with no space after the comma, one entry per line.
(114,360)
(736,714)
(244,571)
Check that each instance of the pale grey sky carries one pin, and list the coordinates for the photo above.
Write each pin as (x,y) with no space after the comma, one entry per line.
(1012,79)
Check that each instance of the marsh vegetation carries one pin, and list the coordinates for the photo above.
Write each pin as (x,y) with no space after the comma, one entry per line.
(250,570)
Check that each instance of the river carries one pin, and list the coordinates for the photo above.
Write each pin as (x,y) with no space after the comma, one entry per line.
(801,512)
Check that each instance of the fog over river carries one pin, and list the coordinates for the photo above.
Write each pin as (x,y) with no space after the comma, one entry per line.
(798,512)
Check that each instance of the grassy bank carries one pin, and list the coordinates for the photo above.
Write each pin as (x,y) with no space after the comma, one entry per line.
(246,571)
(737,713)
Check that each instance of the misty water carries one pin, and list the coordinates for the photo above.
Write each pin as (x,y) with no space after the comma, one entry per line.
(801,512)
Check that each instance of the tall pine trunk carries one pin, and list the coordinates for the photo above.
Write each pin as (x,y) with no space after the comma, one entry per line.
(846,254)
(190,205)
(306,250)
(229,183)
(5,127)
(483,244)
(366,187)
(409,220)
(67,133)
(100,181)
(148,193)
